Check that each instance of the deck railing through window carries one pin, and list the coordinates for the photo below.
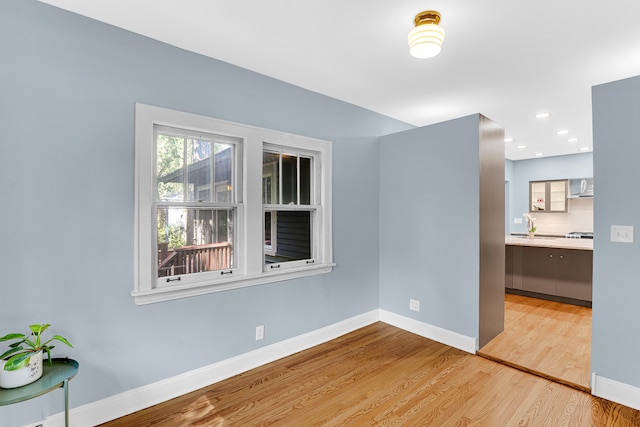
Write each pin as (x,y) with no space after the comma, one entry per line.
(195,259)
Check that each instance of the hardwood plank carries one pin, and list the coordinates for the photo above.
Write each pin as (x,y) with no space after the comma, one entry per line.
(384,376)
(546,338)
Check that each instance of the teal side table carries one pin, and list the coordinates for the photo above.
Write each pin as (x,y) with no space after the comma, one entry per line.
(53,377)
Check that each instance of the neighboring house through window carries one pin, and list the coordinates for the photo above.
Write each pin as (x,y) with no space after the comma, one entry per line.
(201,224)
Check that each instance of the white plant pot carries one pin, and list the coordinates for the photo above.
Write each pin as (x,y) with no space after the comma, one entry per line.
(22,376)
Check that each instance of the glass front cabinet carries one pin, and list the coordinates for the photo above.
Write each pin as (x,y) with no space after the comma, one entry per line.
(548,196)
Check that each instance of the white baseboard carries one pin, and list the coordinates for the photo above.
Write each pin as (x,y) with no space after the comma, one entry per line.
(426,330)
(139,398)
(615,391)
(143,397)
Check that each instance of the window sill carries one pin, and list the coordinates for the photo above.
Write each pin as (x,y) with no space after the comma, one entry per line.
(176,291)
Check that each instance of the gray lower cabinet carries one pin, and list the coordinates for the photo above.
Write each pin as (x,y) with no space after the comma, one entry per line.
(539,270)
(508,264)
(551,271)
(574,274)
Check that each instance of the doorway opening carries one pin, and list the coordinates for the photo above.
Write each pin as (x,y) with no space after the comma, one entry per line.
(544,337)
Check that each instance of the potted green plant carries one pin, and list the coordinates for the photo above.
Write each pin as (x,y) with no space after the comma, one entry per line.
(22,363)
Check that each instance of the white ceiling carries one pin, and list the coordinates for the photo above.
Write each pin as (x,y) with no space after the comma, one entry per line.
(506,59)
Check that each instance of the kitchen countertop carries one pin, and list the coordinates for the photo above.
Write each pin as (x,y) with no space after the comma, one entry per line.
(550,242)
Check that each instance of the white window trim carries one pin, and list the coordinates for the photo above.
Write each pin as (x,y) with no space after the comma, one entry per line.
(250,232)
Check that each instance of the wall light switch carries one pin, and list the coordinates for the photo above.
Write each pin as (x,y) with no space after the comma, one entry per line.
(622,233)
(517,220)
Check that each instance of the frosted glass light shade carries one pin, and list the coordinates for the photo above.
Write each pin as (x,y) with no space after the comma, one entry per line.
(425,40)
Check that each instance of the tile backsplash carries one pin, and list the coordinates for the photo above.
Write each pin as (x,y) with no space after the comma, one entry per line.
(578,218)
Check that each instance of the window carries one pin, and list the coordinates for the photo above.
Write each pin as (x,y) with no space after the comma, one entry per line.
(221,205)
(287,194)
(194,202)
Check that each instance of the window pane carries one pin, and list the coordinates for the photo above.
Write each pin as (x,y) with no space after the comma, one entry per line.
(290,237)
(267,229)
(194,240)
(169,166)
(223,171)
(289,179)
(198,170)
(305,181)
(270,170)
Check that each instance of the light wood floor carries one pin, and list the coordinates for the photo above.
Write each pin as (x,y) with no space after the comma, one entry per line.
(547,338)
(383,376)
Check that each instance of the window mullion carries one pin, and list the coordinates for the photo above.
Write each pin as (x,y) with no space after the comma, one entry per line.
(253,233)
(279,178)
(185,170)
(213,192)
(297,179)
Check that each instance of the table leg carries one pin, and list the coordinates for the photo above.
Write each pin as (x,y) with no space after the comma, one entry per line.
(65,386)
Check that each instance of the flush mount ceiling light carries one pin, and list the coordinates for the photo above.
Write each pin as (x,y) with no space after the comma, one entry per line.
(543,115)
(425,40)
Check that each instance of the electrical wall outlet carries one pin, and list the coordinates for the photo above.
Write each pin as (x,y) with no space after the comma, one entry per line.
(517,220)
(622,233)
(259,332)
(414,305)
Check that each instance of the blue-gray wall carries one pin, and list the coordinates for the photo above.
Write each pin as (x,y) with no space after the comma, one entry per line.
(66,117)
(519,173)
(616,270)
(429,237)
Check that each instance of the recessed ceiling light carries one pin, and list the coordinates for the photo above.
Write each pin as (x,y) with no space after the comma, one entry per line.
(539,154)
(572,139)
(521,147)
(508,139)
(543,115)
(584,148)
(562,131)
